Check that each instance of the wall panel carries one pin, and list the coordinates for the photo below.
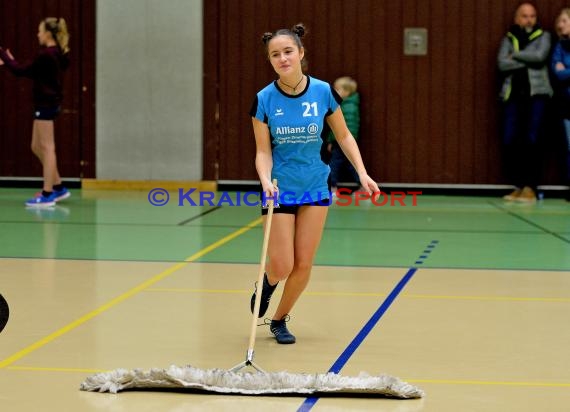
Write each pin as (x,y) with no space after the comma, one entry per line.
(425,119)
(75,132)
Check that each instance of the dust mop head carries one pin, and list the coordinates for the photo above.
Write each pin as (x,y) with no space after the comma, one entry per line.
(223,381)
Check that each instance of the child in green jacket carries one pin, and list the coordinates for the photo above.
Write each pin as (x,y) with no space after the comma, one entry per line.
(346,88)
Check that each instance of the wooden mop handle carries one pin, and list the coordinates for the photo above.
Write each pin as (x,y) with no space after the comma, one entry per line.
(266,233)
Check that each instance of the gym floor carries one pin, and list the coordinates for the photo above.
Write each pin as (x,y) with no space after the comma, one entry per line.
(105,280)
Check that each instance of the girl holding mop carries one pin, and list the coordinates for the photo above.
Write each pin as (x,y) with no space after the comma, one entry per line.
(288,119)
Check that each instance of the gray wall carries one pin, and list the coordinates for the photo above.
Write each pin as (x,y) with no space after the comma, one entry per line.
(149,89)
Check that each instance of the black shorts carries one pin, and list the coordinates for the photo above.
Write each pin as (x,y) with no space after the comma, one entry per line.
(46,113)
(293,209)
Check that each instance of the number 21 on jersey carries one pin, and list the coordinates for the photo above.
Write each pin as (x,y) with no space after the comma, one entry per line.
(308,112)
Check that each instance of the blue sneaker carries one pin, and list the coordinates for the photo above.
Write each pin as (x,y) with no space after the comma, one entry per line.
(282,334)
(42,201)
(61,194)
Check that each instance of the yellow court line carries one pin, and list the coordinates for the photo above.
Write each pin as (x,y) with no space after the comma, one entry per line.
(190,290)
(496,298)
(48,369)
(370,294)
(224,240)
(130,293)
(242,291)
(497,383)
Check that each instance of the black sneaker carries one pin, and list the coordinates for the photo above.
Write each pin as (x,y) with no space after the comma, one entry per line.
(266,293)
(279,329)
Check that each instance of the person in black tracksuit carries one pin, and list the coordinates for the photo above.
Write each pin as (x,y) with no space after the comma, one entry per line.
(46,71)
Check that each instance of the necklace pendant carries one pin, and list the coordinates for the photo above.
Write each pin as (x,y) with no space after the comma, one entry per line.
(293,89)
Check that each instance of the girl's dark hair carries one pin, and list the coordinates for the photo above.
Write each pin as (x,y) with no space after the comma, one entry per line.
(296,33)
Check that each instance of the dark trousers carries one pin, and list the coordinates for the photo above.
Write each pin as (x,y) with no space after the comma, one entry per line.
(568,168)
(522,124)
(567,132)
(340,163)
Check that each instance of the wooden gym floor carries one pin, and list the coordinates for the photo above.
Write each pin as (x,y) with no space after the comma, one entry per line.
(479,317)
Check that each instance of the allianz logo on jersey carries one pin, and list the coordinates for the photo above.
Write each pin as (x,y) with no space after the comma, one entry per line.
(312,128)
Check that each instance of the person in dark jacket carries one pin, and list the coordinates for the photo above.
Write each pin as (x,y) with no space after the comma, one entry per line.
(523,63)
(346,88)
(46,71)
(560,65)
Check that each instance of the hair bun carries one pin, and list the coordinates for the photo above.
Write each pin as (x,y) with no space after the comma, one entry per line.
(266,37)
(299,29)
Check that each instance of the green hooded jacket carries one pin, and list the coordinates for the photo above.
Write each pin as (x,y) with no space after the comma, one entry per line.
(351,111)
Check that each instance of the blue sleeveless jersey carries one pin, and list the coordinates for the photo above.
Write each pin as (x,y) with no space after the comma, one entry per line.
(296,124)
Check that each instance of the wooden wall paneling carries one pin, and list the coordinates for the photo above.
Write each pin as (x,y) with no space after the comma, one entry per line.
(466,134)
(252,46)
(19,24)
(211,47)
(484,80)
(437,91)
(422,130)
(452,89)
(431,119)
(372,40)
(86,103)
(394,91)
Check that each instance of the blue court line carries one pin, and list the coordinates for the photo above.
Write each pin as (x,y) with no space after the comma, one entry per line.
(351,348)
(309,402)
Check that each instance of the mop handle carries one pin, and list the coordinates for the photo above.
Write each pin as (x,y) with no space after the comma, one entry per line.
(260,275)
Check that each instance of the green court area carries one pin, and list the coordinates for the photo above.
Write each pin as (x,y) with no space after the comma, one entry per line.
(473,232)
